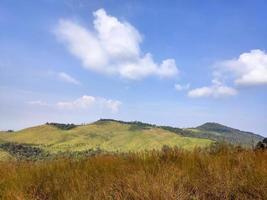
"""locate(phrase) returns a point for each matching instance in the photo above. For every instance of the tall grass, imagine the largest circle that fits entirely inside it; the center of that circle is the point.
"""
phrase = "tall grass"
(217, 173)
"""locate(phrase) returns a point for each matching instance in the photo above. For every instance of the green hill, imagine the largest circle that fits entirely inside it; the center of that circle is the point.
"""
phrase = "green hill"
(115, 136)
(107, 135)
(218, 132)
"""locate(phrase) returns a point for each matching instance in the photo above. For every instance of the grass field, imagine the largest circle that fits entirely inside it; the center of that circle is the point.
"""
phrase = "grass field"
(217, 173)
(5, 155)
(109, 136)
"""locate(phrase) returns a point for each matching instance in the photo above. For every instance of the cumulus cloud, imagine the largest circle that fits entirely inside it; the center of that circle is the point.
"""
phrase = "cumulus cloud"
(249, 68)
(83, 103)
(113, 47)
(216, 90)
(86, 102)
(67, 78)
(180, 87)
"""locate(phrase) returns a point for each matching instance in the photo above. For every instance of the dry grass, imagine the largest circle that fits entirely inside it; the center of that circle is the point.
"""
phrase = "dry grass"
(220, 173)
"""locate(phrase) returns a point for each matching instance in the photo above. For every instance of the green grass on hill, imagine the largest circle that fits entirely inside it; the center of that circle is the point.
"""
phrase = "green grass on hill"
(109, 136)
(233, 136)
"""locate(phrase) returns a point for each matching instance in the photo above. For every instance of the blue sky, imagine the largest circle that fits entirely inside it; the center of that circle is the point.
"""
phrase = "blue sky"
(180, 63)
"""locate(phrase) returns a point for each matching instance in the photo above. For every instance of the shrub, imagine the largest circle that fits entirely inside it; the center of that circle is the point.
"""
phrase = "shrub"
(262, 145)
(23, 151)
(62, 126)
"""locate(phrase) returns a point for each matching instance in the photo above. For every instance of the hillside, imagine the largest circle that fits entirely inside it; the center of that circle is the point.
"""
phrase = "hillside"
(105, 135)
(218, 132)
(115, 136)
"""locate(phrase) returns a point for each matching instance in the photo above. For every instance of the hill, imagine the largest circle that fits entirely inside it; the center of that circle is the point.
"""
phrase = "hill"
(219, 132)
(115, 136)
(107, 135)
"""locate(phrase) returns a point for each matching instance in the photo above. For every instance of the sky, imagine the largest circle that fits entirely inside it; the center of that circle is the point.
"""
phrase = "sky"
(180, 63)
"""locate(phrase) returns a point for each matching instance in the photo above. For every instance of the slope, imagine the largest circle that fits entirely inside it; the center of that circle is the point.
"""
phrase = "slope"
(108, 135)
(218, 132)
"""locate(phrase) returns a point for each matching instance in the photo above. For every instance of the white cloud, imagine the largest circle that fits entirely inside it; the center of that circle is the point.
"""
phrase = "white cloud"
(216, 90)
(249, 68)
(113, 47)
(88, 102)
(83, 103)
(113, 105)
(67, 78)
(180, 87)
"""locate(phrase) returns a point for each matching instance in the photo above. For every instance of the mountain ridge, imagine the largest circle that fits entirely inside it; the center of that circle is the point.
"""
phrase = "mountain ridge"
(208, 126)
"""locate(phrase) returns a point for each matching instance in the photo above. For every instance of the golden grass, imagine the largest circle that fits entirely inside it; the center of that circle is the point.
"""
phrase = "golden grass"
(5, 155)
(220, 173)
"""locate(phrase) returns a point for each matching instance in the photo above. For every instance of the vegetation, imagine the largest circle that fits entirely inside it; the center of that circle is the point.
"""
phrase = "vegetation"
(178, 131)
(62, 126)
(218, 172)
(107, 135)
(134, 125)
(112, 159)
(212, 131)
(262, 145)
(22, 151)
(138, 123)
(110, 136)
(5, 155)
(218, 132)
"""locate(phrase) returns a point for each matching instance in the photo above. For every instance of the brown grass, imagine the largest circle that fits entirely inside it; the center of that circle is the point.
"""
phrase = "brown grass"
(221, 173)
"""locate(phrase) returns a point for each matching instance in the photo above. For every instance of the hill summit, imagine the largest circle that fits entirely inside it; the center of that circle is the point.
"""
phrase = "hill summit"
(213, 126)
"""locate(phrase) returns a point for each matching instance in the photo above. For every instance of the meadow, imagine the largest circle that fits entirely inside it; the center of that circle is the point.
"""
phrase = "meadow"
(109, 136)
(216, 172)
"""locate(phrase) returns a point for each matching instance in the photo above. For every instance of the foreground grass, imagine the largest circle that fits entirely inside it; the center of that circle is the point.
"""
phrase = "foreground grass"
(218, 173)
(5, 155)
